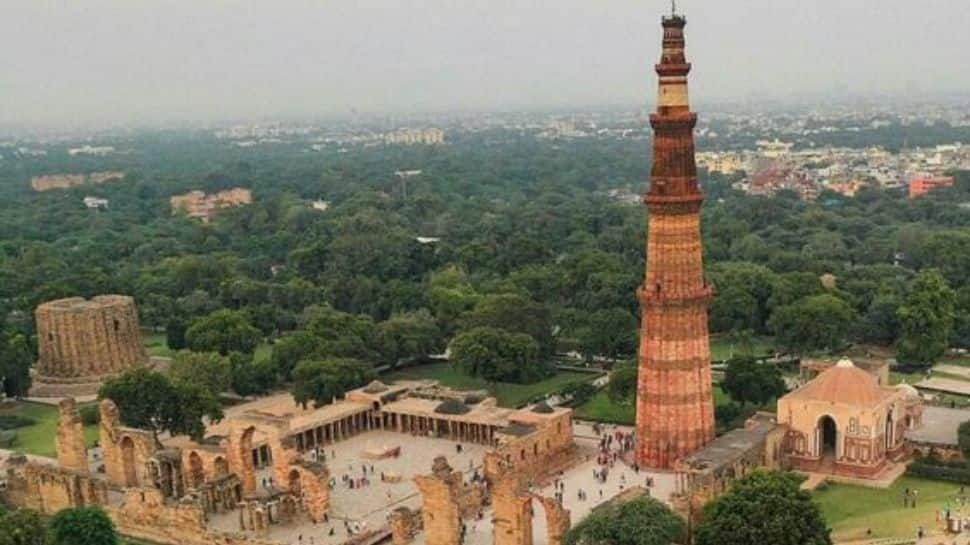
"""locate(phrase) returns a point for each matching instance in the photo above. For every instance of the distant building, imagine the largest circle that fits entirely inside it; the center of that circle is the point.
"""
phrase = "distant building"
(429, 136)
(774, 148)
(924, 183)
(95, 202)
(321, 206)
(64, 181)
(197, 204)
(91, 150)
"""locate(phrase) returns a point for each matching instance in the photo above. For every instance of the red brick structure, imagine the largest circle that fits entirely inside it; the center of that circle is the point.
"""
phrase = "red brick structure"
(675, 407)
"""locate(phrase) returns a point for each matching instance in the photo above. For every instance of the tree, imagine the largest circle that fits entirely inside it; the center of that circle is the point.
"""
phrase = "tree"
(223, 331)
(82, 526)
(206, 369)
(963, 437)
(748, 381)
(622, 387)
(341, 334)
(926, 320)
(498, 355)
(513, 313)
(640, 521)
(22, 527)
(15, 361)
(323, 380)
(149, 400)
(251, 377)
(819, 322)
(608, 332)
(175, 334)
(408, 335)
(785, 514)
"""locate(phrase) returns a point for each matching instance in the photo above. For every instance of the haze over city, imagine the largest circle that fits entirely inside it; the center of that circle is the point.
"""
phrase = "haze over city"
(113, 61)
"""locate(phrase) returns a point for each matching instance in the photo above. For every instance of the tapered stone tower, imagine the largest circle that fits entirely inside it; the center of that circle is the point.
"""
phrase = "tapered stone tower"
(675, 408)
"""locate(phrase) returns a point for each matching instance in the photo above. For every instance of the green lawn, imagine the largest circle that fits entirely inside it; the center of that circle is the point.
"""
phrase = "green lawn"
(508, 395)
(39, 438)
(602, 409)
(722, 347)
(156, 345)
(850, 510)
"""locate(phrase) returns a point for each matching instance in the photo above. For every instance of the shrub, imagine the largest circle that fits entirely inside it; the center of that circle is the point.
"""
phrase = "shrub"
(579, 392)
(90, 415)
(452, 406)
(12, 421)
(8, 438)
(920, 468)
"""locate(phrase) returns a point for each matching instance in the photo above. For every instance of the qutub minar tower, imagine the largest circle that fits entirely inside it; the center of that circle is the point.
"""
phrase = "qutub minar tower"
(675, 407)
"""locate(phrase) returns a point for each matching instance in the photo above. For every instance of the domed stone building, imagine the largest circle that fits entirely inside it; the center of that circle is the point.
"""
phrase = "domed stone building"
(844, 422)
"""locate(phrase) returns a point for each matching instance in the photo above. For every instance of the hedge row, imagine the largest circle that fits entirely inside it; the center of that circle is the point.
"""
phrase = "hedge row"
(959, 475)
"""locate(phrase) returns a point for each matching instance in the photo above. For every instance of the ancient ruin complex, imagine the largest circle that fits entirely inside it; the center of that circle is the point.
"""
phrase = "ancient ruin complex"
(675, 406)
(264, 472)
(81, 342)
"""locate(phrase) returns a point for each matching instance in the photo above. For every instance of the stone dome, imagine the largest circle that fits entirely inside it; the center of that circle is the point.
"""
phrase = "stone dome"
(843, 383)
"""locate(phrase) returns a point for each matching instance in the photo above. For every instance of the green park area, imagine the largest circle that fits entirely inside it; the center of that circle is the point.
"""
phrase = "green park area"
(508, 394)
(38, 437)
(852, 510)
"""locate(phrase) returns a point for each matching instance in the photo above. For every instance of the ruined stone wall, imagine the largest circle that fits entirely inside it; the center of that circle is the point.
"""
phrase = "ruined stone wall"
(72, 453)
(125, 451)
(545, 451)
(48, 488)
(405, 524)
(440, 513)
(311, 483)
(511, 508)
(144, 514)
(80, 342)
(203, 464)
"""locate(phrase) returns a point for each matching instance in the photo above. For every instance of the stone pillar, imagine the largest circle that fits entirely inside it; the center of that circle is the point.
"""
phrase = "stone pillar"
(512, 508)
(72, 453)
(557, 520)
(440, 510)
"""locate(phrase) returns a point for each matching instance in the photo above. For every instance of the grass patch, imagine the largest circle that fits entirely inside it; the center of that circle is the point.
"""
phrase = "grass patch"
(722, 347)
(156, 345)
(38, 439)
(850, 510)
(603, 409)
(508, 394)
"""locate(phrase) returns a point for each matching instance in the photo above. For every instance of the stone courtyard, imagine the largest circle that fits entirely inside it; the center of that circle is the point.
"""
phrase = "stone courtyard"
(368, 507)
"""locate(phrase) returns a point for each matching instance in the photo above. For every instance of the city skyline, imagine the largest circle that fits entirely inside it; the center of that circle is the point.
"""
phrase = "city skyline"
(114, 62)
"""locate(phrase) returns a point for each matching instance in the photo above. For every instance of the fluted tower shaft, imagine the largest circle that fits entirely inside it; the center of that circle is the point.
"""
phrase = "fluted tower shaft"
(675, 407)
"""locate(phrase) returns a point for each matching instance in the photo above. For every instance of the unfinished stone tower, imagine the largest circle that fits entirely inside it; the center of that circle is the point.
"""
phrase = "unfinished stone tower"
(675, 408)
(81, 342)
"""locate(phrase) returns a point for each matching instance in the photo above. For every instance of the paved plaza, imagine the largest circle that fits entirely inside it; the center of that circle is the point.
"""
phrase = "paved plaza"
(367, 508)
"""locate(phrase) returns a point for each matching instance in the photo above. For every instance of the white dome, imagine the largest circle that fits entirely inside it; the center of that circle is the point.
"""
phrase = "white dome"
(845, 362)
(908, 390)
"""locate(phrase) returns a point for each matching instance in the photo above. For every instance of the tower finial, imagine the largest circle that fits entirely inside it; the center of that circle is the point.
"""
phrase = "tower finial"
(673, 7)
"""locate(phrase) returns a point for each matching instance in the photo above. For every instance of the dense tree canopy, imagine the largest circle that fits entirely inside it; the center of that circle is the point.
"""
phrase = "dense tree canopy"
(82, 526)
(748, 381)
(22, 527)
(763, 507)
(321, 381)
(150, 400)
(640, 521)
(498, 355)
(926, 320)
(501, 229)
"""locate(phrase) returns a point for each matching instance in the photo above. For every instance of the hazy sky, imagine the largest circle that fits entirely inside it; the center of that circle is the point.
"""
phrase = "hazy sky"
(77, 61)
